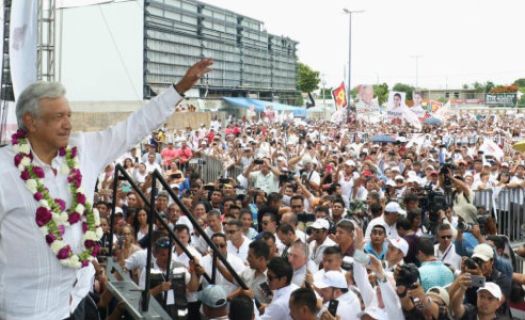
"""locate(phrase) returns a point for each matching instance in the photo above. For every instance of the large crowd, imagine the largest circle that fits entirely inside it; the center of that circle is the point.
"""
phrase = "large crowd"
(324, 221)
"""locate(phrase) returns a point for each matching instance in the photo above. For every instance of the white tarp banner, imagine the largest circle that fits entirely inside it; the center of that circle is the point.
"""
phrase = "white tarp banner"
(23, 41)
(81, 3)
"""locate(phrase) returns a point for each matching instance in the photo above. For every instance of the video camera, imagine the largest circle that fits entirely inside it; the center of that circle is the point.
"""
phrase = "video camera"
(407, 275)
(286, 176)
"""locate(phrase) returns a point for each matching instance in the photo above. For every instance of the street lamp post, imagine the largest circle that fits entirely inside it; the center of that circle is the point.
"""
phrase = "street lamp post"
(349, 12)
(417, 67)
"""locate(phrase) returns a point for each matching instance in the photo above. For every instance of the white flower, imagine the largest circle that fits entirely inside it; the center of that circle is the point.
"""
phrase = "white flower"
(21, 167)
(80, 209)
(64, 169)
(44, 203)
(61, 218)
(24, 148)
(25, 161)
(90, 235)
(80, 189)
(76, 165)
(99, 233)
(31, 185)
(57, 245)
(44, 230)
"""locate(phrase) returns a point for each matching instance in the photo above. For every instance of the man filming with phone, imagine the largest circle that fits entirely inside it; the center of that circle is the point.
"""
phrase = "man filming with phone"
(339, 300)
(477, 271)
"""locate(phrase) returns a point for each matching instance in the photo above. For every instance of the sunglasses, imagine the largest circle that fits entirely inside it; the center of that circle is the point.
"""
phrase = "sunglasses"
(231, 231)
(299, 206)
(446, 237)
(222, 245)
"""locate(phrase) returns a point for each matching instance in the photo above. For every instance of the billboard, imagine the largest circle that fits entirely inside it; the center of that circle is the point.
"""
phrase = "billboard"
(501, 99)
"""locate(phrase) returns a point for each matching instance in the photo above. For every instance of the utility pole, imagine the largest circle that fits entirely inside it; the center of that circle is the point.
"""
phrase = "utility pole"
(416, 57)
(350, 12)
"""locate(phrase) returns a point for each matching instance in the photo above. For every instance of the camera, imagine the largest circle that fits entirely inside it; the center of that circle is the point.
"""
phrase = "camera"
(286, 176)
(407, 275)
(176, 176)
(465, 227)
(258, 161)
(224, 180)
(446, 170)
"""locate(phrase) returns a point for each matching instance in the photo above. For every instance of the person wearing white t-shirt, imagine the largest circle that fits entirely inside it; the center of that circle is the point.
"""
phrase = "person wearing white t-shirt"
(238, 244)
(445, 250)
(34, 270)
(388, 219)
(222, 276)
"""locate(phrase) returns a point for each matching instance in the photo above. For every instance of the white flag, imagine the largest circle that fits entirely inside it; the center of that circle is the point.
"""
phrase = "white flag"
(490, 148)
(22, 46)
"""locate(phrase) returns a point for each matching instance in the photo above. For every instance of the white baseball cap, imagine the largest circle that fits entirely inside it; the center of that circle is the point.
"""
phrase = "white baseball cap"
(483, 251)
(331, 279)
(350, 163)
(400, 244)
(493, 289)
(321, 224)
(393, 207)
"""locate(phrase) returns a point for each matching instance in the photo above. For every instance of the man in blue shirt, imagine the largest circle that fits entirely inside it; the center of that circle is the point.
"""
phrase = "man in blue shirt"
(433, 272)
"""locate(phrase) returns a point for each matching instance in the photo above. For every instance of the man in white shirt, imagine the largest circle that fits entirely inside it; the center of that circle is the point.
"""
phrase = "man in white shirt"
(320, 240)
(298, 258)
(279, 275)
(222, 275)
(238, 243)
(445, 250)
(388, 219)
(265, 178)
(333, 286)
(32, 270)
(183, 234)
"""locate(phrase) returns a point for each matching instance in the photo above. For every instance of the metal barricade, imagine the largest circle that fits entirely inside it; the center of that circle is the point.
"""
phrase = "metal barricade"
(210, 168)
(508, 207)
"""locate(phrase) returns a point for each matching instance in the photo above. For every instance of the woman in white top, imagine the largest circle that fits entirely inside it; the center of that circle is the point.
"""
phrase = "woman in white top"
(142, 224)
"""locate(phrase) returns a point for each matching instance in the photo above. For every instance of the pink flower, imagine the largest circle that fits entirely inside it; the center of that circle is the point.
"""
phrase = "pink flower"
(85, 227)
(19, 134)
(74, 152)
(85, 263)
(42, 216)
(50, 238)
(62, 152)
(95, 250)
(38, 196)
(25, 175)
(61, 204)
(18, 159)
(81, 198)
(39, 172)
(74, 217)
(61, 229)
(89, 244)
(64, 253)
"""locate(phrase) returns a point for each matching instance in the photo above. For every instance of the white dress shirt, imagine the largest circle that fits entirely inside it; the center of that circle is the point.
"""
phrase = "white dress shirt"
(33, 283)
(242, 251)
(236, 263)
(316, 251)
(279, 307)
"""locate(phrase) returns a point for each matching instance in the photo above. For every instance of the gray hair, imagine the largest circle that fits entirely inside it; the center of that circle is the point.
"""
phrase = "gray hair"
(28, 101)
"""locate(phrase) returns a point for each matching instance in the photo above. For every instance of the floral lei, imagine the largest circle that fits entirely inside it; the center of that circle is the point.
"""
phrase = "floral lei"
(52, 216)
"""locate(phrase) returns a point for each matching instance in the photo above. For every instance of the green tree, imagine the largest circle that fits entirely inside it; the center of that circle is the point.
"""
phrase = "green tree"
(401, 87)
(521, 102)
(488, 86)
(520, 82)
(381, 92)
(307, 78)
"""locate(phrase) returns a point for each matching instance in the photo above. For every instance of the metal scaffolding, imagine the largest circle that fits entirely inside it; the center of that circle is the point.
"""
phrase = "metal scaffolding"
(46, 40)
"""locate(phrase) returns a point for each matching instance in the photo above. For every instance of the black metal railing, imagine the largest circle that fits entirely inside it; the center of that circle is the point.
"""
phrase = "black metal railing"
(121, 174)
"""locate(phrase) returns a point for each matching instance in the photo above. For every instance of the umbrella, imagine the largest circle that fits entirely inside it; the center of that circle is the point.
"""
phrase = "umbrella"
(433, 121)
(519, 146)
(383, 138)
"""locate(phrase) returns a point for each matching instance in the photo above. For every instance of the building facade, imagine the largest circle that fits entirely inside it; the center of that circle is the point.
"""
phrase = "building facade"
(133, 49)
